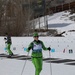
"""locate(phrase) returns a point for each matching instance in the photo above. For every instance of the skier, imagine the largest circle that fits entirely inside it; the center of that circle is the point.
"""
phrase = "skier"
(8, 42)
(37, 56)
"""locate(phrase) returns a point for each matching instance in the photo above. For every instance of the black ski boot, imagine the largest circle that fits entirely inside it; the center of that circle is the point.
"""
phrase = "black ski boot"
(10, 55)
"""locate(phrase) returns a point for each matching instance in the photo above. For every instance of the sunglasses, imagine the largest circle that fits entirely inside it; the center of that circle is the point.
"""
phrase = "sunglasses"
(36, 36)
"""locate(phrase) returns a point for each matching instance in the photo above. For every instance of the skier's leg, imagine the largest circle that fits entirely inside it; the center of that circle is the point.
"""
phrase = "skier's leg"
(38, 65)
(8, 49)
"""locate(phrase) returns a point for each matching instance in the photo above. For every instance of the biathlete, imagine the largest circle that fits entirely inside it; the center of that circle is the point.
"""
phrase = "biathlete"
(8, 42)
(37, 55)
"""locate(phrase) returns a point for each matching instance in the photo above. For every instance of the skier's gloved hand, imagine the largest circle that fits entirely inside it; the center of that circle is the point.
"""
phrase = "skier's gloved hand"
(49, 48)
(4, 38)
(25, 49)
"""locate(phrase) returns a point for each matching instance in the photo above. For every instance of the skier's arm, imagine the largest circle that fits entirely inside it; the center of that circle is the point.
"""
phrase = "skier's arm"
(43, 46)
(29, 47)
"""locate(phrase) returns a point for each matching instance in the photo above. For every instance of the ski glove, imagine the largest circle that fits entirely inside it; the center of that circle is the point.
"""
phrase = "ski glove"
(5, 38)
(25, 49)
(49, 48)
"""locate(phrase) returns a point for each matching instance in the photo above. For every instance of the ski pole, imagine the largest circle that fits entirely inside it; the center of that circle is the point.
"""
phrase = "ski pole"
(24, 65)
(50, 63)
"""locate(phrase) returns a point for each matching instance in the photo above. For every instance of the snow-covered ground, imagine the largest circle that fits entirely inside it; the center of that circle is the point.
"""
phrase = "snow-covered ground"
(61, 63)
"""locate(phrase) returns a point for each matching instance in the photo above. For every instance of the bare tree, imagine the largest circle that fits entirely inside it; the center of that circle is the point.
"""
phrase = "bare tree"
(15, 17)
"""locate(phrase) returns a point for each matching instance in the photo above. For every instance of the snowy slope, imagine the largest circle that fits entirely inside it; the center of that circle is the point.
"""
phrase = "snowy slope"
(60, 21)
